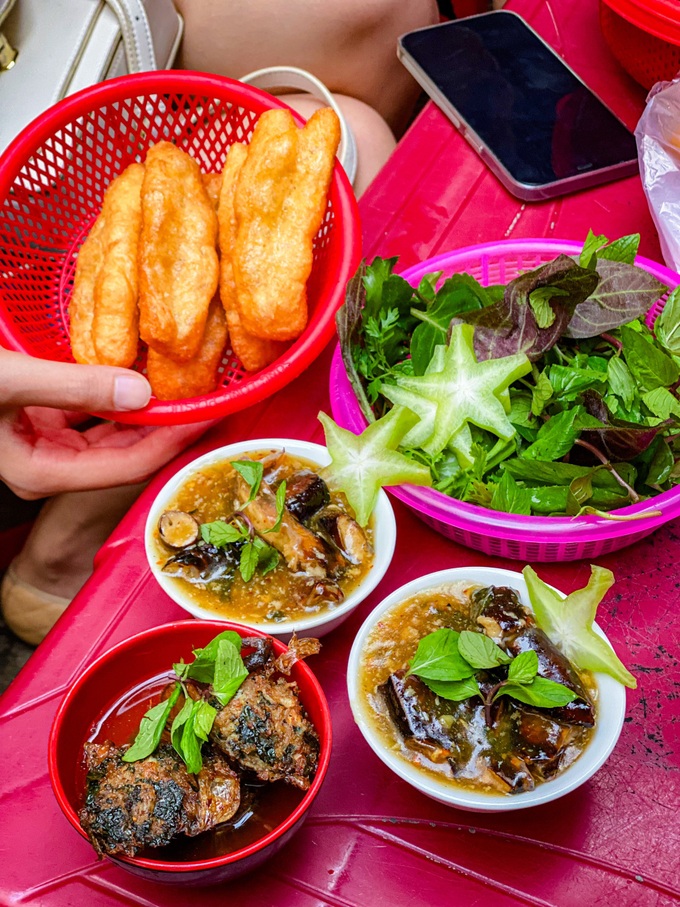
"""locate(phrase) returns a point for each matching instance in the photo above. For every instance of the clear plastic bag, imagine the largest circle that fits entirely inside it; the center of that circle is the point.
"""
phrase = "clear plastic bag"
(658, 141)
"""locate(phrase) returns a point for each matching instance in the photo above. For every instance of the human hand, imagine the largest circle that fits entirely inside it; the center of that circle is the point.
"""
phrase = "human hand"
(41, 451)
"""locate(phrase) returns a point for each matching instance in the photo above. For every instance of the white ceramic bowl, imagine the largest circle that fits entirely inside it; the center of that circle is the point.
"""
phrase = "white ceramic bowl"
(611, 708)
(384, 539)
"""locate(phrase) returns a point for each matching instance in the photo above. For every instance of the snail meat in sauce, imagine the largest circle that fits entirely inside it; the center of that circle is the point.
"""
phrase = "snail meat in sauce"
(504, 746)
(302, 549)
(204, 563)
(505, 620)
(306, 492)
(316, 553)
(179, 529)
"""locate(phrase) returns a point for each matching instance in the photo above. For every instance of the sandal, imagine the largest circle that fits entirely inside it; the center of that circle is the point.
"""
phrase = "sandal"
(28, 612)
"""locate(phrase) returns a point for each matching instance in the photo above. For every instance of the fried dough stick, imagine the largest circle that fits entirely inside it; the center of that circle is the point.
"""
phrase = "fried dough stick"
(280, 202)
(253, 352)
(179, 268)
(212, 183)
(172, 380)
(103, 307)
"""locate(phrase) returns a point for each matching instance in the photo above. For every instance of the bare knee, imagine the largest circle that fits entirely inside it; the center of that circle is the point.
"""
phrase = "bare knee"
(348, 44)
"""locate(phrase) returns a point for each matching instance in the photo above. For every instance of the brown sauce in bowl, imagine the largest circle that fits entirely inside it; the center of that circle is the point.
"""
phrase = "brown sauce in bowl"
(390, 647)
(283, 594)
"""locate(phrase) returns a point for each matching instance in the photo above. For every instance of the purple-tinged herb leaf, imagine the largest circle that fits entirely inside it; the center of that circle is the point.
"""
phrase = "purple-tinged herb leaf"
(623, 293)
(617, 439)
(511, 326)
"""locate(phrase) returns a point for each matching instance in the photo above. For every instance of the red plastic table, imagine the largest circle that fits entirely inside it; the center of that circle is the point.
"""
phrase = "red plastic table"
(371, 839)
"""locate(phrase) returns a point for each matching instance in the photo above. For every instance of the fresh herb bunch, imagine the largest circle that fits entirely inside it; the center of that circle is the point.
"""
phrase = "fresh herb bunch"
(255, 554)
(448, 661)
(218, 664)
(581, 414)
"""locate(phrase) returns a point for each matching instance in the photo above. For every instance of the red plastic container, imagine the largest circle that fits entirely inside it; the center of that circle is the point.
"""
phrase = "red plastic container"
(129, 665)
(52, 181)
(644, 36)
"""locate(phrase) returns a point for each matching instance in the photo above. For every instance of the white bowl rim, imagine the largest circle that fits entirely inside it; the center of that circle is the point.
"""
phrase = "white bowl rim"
(611, 708)
(384, 537)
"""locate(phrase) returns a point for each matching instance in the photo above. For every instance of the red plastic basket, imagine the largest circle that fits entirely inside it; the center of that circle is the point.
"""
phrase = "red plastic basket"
(644, 36)
(52, 181)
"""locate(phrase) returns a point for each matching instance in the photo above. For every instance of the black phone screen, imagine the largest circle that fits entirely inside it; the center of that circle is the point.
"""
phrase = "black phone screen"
(540, 121)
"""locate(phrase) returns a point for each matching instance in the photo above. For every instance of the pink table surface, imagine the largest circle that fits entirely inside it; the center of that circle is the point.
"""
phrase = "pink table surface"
(370, 839)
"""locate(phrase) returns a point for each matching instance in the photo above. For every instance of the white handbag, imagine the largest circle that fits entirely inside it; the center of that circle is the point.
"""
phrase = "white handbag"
(52, 48)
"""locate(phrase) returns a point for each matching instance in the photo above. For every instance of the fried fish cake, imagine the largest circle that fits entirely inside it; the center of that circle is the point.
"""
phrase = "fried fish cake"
(103, 308)
(253, 352)
(280, 202)
(178, 265)
(171, 380)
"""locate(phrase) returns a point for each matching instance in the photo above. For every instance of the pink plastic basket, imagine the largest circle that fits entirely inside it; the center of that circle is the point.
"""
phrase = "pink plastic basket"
(528, 538)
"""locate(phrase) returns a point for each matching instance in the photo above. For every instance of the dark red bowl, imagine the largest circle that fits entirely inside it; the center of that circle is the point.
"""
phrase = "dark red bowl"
(131, 663)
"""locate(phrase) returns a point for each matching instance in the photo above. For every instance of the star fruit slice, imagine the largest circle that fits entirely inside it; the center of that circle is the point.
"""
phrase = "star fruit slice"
(456, 390)
(362, 464)
(569, 623)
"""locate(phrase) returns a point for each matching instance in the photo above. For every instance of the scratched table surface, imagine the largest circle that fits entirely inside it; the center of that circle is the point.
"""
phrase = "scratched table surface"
(370, 839)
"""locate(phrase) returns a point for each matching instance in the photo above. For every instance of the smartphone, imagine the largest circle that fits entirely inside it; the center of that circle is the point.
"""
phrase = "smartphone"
(538, 127)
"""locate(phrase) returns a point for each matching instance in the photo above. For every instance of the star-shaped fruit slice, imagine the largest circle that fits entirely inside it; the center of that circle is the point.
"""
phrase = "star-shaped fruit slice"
(569, 623)
(362, 464)
(456, 390)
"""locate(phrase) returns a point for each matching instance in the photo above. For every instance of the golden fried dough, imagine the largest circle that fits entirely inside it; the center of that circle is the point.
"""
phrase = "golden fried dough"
(212, 183)
(103, 308)
(179, 270)
(253, 352)
(81, 306)
(226, 218)
(171, 380)
(280, 202)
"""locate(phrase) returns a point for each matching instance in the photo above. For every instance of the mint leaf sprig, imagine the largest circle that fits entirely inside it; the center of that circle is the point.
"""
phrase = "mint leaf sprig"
(218, 664)
(447, 661)
(255, 553)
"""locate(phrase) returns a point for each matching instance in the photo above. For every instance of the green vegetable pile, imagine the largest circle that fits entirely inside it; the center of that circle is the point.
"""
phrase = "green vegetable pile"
(218, 664)
(447, 662)
(546, 396)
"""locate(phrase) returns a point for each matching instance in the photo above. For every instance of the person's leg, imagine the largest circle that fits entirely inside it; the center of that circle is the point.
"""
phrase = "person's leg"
(349, 44)
(375, 142)
(57, 557)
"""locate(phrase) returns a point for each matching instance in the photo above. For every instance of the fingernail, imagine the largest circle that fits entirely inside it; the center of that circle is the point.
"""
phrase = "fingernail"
(130, 392)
